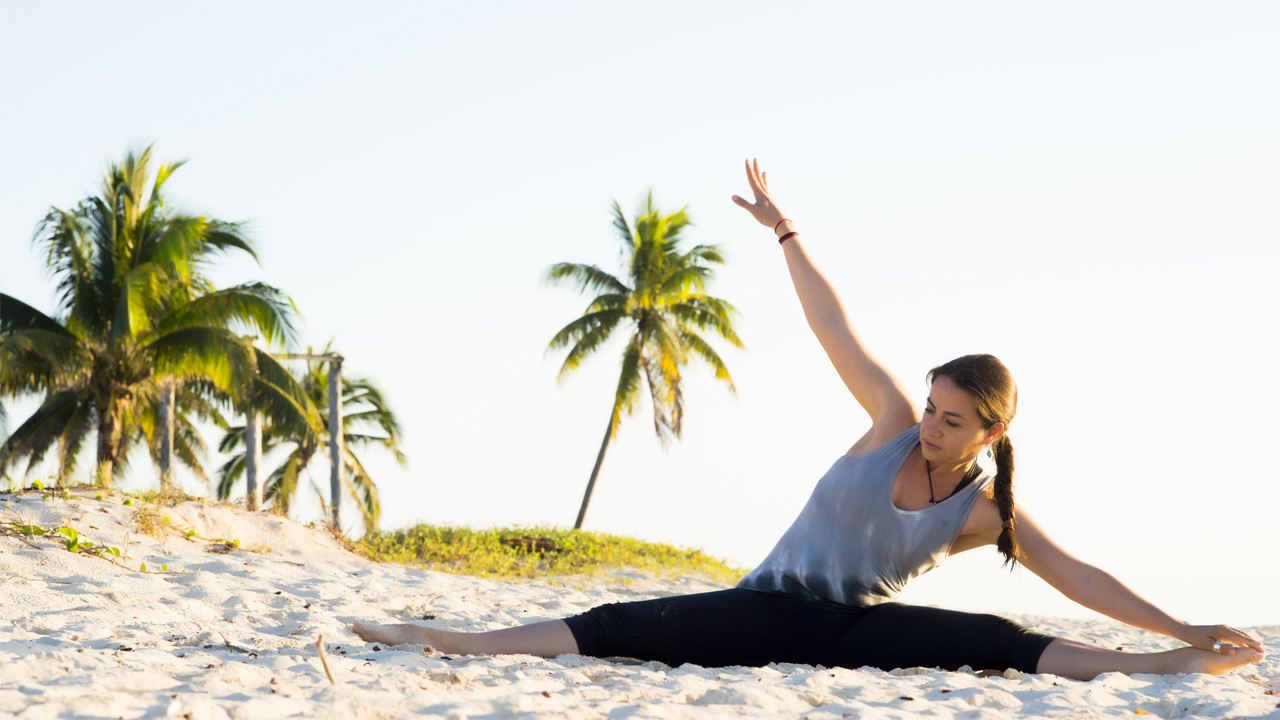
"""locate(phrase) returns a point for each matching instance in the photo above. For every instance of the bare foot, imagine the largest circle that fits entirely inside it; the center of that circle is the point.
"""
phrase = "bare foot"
(1195, 660)
(400, 634)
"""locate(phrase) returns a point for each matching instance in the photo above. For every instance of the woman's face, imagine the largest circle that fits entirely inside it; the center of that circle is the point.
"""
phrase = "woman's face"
(951, 431)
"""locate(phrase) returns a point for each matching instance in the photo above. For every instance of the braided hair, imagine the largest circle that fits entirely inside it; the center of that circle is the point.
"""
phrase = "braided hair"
(995, 397)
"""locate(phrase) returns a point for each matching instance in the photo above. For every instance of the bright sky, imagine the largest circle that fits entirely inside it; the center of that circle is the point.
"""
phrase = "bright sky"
(1087, 190)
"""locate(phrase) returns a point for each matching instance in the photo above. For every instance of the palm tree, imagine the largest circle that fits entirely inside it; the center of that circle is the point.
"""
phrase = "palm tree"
(663, 308)
(137, 321)
(364, 410)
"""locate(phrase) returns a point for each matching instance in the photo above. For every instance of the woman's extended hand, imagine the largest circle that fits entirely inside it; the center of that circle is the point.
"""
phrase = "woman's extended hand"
(1204, 636)
(763, 209)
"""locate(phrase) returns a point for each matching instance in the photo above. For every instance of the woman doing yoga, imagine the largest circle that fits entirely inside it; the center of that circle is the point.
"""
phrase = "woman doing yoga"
(908, 494)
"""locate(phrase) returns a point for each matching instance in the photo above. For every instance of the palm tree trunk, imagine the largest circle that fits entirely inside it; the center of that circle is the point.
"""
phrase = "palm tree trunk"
(335, 440)
(102, 474)
(108, 441)
(253, 457)
(167, 392)
(595, 471)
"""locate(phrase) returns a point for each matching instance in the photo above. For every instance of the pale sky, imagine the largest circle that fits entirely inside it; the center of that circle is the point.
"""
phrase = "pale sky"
(1087, 190)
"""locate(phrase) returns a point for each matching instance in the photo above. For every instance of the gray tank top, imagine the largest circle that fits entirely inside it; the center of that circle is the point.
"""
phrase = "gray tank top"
(851, 545)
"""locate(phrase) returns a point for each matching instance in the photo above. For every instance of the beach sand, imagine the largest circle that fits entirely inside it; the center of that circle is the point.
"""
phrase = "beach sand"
(230, 631)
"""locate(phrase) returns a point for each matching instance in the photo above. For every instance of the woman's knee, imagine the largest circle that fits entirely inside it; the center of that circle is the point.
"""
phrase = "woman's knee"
(897, 635)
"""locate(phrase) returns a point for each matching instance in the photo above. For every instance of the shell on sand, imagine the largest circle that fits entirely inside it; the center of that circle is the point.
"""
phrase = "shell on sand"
(229, 631)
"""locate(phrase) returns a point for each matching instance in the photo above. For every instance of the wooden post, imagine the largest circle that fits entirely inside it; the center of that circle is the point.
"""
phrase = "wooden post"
(253, 457)
(335, 439)
(335, 428)
(168, 389)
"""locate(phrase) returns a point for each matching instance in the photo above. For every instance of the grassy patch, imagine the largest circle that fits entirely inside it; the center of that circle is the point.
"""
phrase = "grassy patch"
(536, 552)
(148, 520)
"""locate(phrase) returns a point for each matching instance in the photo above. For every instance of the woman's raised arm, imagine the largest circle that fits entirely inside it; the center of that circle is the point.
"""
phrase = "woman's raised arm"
(875, 389)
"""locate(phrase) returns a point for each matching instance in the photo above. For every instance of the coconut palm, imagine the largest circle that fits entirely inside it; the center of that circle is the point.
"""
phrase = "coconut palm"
(135, 317)
(364, 411)
(662, 307)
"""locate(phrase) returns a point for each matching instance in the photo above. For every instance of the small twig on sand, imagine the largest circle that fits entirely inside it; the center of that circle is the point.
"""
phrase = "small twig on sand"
(323, 660)
(52, 582)
(228, 644)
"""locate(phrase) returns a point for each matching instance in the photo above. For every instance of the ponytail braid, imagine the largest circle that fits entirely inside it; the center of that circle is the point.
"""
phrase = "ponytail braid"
(1006, 543)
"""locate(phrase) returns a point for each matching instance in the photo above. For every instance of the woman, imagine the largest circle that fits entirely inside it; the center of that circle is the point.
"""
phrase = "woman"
(908, 494)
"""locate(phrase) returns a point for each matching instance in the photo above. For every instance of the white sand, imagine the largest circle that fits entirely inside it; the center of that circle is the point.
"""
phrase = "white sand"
(232, 634)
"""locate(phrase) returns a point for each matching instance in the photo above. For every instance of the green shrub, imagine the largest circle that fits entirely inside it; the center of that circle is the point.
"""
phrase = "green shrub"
(536, 552)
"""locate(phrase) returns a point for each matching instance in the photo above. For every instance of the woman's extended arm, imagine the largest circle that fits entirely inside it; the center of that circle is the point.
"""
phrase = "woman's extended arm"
(874, 388)
(1098, 590)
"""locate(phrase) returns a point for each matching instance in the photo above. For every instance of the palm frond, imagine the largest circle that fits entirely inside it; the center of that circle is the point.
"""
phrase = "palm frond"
(174, 247)
(39, 360)
(587, 277)
(286, 404)
(608, 301)
(90, 308)
(362, 488)
(188, 446)
(584, 347)
(601, 322)
(193, 398)
(699, 347)
(678, 284)
(162, 175)
(286, 417)
(71, 441)
(625, 233)
(707, 313)
(282, 484)
(16, 315)
(232, 440)
(710, 254)
(662, 369)
(252, 305)
(627, 394)
(224, 236)
(68, 253)
(363, 392)
(139, 299)
(46, 426)
(212, 353)
(230, 472)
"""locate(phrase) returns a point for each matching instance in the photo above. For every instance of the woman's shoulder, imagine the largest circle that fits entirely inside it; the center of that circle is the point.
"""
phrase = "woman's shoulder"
(892, 433)
(985, 514)
(983, 524)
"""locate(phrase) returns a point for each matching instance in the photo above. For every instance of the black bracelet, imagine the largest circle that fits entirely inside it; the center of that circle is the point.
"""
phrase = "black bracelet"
(784, 237)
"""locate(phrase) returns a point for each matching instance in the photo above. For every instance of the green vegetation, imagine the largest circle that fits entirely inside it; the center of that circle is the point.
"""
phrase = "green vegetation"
(66, 536)
(513, 552)
(147, 520)
(662, 306)
(142, 347)
(141, 339)
(536, 552)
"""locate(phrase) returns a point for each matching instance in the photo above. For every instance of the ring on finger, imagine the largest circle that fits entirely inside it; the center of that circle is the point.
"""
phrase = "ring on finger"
(1217, 646)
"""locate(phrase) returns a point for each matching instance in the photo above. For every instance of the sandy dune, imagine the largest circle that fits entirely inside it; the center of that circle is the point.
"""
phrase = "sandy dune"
(229, 630)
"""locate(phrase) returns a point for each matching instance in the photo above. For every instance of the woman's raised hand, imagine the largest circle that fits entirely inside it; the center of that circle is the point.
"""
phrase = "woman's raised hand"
(763, 209)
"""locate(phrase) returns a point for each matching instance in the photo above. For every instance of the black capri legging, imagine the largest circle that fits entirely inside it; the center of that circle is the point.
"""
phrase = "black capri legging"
(752, 627)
